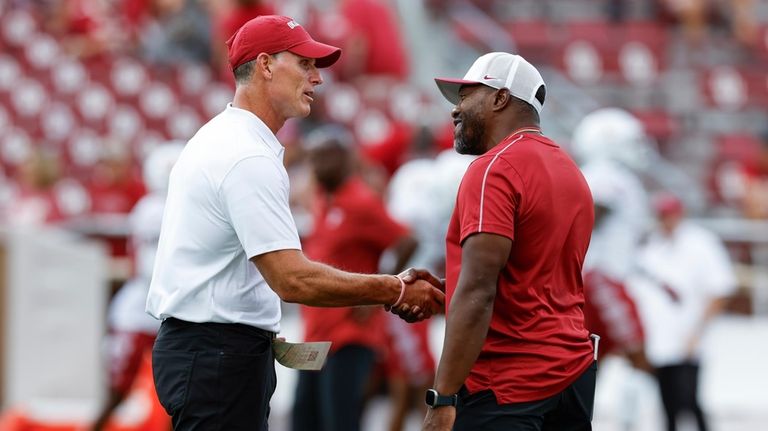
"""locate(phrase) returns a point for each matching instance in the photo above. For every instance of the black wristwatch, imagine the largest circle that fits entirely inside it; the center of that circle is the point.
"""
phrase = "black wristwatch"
(434, 399)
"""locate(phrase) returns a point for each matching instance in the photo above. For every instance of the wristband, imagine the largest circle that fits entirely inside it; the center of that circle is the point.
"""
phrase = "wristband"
(402, 292)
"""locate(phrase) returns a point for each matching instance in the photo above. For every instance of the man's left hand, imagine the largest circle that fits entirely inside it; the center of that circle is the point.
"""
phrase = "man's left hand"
(439, 419)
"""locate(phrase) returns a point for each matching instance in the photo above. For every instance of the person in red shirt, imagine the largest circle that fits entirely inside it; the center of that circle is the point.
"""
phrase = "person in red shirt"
(516, 353)
(368, 32)
(227, 22)
(352, 229)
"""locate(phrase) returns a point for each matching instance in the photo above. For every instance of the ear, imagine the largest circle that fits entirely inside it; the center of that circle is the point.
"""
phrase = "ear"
(264, 64)
(501, 98)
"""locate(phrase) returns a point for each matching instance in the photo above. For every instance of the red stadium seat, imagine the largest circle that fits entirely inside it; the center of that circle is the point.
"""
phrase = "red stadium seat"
(42, 51)
(342, 103)
(641, 51)
(94, 102)
(68, 77)
(739, 147)
(183, 123)
(15, 146)
(587, 52)
(192, 79)
(732, 153)
(215, 98)
(533, 39)
(659, 124)
(125, 123)
(156, 100)
(84, 148)
(57, 121)
(128, 77)
(732, 88)
(18, 27)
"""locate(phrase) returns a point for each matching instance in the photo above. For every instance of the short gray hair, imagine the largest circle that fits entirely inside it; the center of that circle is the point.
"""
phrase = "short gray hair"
(244, 71)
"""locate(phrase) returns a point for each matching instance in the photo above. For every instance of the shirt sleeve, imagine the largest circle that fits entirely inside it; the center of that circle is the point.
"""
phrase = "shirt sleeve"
(718, 276)
(489, 197)
(255, 198)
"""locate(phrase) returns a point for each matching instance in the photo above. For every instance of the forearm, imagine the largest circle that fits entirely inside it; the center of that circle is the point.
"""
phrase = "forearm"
(467, 325)
(323, 286)
(297, 279)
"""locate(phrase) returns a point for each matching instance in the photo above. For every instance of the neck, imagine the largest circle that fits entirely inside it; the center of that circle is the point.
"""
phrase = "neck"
(252, 99)
(496, 136)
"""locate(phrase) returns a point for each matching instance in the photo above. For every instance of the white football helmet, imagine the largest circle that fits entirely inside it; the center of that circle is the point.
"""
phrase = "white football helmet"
(611, 134)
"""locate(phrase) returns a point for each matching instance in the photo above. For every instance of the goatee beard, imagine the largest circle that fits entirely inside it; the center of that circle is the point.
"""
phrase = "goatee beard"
(469, 145)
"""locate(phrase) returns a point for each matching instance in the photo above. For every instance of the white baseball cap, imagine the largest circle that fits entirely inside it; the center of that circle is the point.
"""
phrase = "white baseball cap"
(499, 70)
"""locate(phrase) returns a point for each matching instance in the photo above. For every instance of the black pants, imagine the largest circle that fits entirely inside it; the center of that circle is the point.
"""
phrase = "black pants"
(214, 376)
(570, 410)
(679, 386)
(332, 399)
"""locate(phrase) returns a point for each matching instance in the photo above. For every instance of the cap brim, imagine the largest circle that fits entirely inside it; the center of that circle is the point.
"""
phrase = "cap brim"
(324, 55)
(450, 87)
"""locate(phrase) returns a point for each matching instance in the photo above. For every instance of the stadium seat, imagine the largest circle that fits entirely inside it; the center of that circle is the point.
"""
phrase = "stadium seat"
(124, 123)
(128, 77)
(183, 123)
(9, 72)
(659, 124)
(641, 51)
(733, 88)
(156, 100)
(587, 51)
(533, 39)
(57, 120)
(15, 147)
(192, 79)
(214, 98)
(84, 148)
(18, 26)
(42, 51)
(95, 102)
(342, 103)
(725, 173)
(69, 76)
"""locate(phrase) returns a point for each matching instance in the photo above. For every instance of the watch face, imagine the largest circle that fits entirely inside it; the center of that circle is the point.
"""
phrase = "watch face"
(431, 397)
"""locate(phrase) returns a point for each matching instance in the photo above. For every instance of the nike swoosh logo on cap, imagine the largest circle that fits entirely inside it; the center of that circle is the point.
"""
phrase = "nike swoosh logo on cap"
(488, 77)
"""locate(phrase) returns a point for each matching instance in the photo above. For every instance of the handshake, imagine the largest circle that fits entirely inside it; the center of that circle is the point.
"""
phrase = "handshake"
(421, 295)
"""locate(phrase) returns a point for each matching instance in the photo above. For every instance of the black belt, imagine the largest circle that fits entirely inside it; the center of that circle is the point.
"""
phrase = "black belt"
(173, 322)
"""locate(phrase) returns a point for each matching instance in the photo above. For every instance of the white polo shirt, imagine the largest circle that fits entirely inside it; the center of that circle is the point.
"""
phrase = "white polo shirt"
(227, 202)
(695, 264)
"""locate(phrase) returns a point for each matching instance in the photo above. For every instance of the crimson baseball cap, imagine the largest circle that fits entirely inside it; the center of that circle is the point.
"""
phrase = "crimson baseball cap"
(666, 204)
(499, 70)
(275, 33)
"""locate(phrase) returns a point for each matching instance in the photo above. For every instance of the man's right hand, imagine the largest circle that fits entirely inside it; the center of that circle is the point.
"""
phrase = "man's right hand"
(422, 298)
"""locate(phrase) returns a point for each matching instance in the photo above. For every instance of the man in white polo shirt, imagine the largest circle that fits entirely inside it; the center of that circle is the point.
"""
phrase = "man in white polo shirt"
(229, 250)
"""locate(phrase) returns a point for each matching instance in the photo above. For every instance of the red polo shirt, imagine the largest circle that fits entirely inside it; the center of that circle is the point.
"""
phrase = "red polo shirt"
(351, 230)
(528, 190)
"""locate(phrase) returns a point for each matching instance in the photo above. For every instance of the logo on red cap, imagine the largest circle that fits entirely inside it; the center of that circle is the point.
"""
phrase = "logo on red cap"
(292, 24)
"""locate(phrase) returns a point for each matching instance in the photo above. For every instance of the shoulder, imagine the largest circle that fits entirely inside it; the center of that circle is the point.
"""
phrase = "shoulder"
(698, 234)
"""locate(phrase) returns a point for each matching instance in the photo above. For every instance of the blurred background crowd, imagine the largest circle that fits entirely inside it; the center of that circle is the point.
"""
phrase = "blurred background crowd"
(89, 89)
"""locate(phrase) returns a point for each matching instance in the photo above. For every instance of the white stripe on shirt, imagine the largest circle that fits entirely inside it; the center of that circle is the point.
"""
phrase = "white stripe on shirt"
(485, 177)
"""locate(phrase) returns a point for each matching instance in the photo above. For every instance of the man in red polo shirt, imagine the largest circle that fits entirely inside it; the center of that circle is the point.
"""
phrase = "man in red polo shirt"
(352, 229)
(516, 353)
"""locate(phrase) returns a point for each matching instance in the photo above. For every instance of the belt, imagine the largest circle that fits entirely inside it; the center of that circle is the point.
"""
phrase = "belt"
(178, 323)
